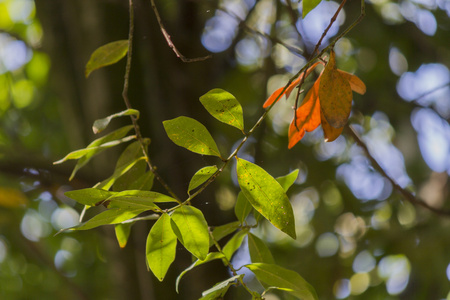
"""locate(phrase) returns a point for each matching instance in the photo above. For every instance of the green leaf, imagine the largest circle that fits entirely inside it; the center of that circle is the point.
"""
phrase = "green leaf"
(220, 289)
(224, 107)
(266, 195)
(89, 196)
(109, 217)
(233, 244)
(309, 5)
(85, 155)
(192, 135)
(222, 231)
(258, 250)
(201, 176)
(134, 199)
(210, 257)
(191, 230)
(161, 247)
(101, 124)
(118, 173)
(288, 180)
(122, 233)
(242, 208)
(106, 55)
(136, 178)
(279, 277)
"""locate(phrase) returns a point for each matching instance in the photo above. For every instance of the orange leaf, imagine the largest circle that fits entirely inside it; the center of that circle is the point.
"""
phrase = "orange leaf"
(330, 133)
(279, 92)
(307, 116)
(355, 83)
(335, 94)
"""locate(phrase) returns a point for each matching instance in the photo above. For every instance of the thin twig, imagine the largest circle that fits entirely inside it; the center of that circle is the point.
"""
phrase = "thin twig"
(128, 104)
(169, 40)
(405, 193)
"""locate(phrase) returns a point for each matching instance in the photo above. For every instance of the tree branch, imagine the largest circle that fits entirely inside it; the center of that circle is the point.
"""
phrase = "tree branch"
(128, 104)
(407, 195)
(169, 40)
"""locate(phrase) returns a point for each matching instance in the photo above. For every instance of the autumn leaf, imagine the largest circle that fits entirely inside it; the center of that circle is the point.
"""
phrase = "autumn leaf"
(328, 102)
(307, 116)
(279, 92)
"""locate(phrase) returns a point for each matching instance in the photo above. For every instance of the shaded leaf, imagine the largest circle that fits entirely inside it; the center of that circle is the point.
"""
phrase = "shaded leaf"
(330, 133)
(266, 195)
(224, 107)
(201, 176)
(118, 172)
(335, 94)
(242, 208)
(123, 233)
(89, 196)
(279, 92)
(106, 55)
(279, 277)
(258, 250)
(161, 247)
(233, 244)
(222, 231)
(220, 289)
(136, 178)
(309, 5)
(134, 199)
(101, 124)
(192, 135)
(288, 180)
(210, 257)
(191, 230)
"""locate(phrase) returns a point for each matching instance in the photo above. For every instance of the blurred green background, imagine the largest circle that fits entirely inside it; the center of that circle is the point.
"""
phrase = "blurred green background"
(357, 237)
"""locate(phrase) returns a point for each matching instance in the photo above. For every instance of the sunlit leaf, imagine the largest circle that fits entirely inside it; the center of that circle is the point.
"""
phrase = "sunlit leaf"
(258, 250)
(192, 135)
(222, 231)
(192, 230)
(210, 257)
(335, 94)
(94, 148)
(224, 107)
(233, 244)
(279, 277)
(266, 195)
(201, 176)
(106, 55)
(288, 180)
(109, 217)
(161, 247)
(220, 289)
(242, 208)
(307, 116)
(279, 92)
(122, 233)
(356, 84)
(101, 124)
(309, 5)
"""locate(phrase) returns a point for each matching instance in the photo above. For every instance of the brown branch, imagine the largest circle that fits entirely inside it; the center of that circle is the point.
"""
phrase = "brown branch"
(407, 195)
(169, 40)
(128, 104)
